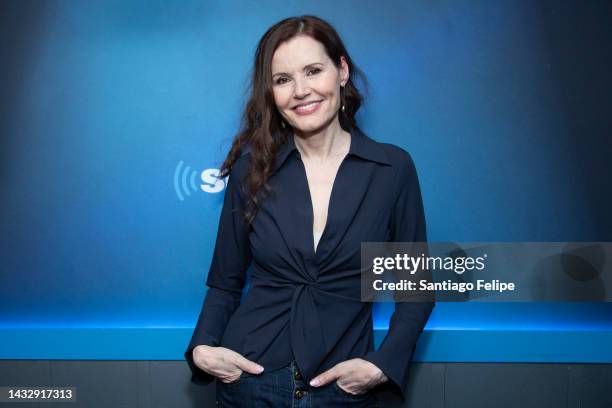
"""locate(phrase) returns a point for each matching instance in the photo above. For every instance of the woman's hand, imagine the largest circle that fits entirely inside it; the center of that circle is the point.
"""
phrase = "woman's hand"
(355, 376)
(223, 363)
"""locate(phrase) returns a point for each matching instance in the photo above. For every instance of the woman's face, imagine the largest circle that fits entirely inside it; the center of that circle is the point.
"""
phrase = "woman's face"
(306, 84)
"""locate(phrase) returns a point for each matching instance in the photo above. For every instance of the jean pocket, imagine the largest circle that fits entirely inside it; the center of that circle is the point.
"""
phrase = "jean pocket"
(235, 382)
(348, 394)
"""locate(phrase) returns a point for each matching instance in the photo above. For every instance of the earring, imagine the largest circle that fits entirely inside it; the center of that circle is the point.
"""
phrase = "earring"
(342, 97)
(283, 123)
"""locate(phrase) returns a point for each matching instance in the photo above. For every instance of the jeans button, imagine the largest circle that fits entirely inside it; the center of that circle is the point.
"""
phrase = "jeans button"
(299, 394)
(297, 374)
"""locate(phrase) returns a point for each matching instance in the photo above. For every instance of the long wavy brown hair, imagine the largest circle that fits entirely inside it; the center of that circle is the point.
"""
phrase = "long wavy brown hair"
(261, 122)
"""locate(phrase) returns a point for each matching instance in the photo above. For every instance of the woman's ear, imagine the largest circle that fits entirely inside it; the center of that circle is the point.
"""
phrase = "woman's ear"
(344, 71)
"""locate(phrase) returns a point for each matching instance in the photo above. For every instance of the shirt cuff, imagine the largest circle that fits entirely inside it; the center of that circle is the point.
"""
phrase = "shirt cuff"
(395, 383)
(199, 376)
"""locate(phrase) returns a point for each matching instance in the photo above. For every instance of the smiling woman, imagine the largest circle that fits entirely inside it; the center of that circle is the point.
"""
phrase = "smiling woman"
(306, 187)
(307, 84)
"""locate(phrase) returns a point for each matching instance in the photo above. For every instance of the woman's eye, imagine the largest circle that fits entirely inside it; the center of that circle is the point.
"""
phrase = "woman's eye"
(314, 70)
(280, 80)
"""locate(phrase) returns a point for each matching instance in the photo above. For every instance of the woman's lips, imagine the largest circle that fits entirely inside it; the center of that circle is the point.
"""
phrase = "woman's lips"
(310, 108)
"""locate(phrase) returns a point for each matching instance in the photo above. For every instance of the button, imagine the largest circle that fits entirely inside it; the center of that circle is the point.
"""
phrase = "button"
(298, 376)
(299, 393)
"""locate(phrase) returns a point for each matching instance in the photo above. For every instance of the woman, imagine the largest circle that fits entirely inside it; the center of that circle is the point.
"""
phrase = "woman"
(306, 186)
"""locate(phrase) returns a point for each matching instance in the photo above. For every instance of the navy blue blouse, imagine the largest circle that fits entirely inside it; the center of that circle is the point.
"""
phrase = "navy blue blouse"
(304, 304)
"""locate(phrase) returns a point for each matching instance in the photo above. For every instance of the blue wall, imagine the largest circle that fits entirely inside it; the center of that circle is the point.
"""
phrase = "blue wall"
(504, 106)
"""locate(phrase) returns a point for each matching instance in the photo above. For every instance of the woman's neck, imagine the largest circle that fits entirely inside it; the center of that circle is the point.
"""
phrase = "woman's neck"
(330, 142)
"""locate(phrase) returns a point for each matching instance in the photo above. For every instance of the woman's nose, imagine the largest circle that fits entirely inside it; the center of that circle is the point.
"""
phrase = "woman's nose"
(301, 89)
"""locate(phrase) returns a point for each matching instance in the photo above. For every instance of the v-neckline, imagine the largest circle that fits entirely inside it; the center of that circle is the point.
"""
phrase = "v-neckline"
(314, 251)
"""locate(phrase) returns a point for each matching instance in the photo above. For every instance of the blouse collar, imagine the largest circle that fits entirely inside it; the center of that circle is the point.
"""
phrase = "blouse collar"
(361, 146)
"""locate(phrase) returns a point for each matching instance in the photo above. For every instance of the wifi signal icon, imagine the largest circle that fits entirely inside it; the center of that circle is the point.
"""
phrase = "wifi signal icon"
(184, 181)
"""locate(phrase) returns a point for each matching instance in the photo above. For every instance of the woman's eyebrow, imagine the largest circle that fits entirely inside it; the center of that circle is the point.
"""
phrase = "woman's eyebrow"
(303, 69)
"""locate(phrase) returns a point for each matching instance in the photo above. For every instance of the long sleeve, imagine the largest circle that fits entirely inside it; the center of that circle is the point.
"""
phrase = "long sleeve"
(226, 278)
(409, 318)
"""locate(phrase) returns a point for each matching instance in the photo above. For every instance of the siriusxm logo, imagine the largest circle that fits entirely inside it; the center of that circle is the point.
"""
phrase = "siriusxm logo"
(185, 181)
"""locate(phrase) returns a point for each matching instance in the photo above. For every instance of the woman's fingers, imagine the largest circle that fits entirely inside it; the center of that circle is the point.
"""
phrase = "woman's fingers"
(217, 361)
(223, 363)
(245, 364)
(327, 376)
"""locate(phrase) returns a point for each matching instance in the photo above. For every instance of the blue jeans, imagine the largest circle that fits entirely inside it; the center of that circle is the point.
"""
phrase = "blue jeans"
(285, 388)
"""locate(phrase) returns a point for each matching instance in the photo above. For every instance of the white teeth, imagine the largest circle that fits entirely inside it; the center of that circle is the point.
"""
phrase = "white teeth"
(306, 107)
